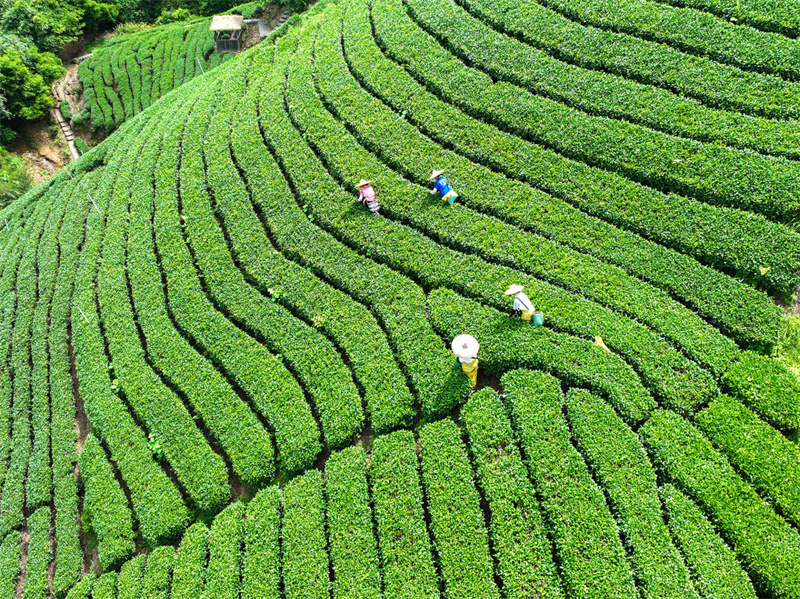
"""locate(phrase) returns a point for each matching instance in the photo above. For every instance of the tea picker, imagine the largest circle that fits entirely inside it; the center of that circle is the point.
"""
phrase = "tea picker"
(367, 196)
(524, 306)
(466, 347)
(441, 186)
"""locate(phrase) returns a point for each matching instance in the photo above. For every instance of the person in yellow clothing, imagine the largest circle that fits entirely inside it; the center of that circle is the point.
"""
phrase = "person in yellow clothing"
(466, 347)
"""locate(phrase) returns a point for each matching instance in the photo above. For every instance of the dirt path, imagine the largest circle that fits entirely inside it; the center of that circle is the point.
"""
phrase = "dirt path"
(67, 132)
(42, 155)
(23, 561)
(66, 88)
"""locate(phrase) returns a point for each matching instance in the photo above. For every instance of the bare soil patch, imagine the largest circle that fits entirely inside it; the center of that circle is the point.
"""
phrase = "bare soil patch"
(43, 148)
(69, 88)
(791, 307)
(23, 560)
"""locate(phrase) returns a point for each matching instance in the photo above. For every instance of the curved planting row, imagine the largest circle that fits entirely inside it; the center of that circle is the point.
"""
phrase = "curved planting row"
(409, 509)
(598, 92)
(649, 62)
(222, 376)
(131, 72)
(712, 235)
(692, 30)
(659, 160)
(770, 16)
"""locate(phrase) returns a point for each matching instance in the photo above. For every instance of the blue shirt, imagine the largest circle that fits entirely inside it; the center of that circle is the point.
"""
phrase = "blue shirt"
(442, 186)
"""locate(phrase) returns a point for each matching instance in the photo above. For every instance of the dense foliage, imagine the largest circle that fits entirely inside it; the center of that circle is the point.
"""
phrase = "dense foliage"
(221, 376)
(26, 73)
(130, 72)
(14, 177)
(33, 32)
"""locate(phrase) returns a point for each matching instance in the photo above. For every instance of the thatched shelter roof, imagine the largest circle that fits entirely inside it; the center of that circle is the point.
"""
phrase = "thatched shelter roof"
(226, 23)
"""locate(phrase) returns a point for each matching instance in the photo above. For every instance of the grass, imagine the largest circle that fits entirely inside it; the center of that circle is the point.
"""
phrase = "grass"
(787, 350)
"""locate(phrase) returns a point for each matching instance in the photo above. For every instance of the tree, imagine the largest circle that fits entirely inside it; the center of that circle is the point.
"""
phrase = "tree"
(99, 14)
(14, 178)
(49, 24)
(7, 135)
(136, 11)
(172, 16)
(212, 7)
(204, 7)
(25, 77)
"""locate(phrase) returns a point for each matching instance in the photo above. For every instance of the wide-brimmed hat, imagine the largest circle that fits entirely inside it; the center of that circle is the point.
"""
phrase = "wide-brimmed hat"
(514, 289)
(362, 183)
(465, 346)
(435, 175)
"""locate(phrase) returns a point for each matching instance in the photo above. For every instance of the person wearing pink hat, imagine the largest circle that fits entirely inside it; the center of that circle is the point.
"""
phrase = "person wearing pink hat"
(465, 348)
(367, 196)
(441, 186)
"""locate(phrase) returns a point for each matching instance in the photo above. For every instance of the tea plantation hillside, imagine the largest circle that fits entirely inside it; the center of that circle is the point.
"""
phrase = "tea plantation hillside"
(223, 377)
(131, 72)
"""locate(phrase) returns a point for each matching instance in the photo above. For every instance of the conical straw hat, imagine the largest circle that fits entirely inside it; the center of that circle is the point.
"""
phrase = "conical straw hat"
(514, 289)
(434, 175)
(465, 346)
(362, 183)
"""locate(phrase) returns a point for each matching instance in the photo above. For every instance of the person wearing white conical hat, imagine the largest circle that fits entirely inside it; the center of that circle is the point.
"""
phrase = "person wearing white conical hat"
(521, 302)
(466, 347)
(367, 196)
(441, 186)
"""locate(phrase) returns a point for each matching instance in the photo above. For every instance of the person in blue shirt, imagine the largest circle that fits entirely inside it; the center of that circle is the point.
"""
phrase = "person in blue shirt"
(441, 186)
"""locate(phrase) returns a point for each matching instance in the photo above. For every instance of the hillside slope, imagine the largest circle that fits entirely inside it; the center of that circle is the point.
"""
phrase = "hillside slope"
(255, 370)
(131, 72)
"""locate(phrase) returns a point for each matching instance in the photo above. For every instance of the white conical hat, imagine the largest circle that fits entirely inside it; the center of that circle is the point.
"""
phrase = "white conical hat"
(362, 183)
(514, 289)
(465, 346)
(435, 175)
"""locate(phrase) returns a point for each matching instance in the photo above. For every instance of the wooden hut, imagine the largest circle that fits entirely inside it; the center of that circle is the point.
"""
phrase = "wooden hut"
(227, 32)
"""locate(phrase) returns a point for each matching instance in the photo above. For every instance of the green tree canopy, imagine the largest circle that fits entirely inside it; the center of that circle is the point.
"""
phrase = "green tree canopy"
(25, 77)
(49, 24)
(99, 14)
(14, 178)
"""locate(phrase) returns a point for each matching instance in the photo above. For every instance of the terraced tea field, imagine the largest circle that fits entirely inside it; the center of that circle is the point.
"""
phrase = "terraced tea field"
(132, 72)
(223, 377)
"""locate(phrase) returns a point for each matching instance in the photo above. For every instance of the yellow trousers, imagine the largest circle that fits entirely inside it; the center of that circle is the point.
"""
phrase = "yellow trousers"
(471, 370)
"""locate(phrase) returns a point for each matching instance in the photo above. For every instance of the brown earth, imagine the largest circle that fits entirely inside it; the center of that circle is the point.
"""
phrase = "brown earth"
(69, 88)
(23, 561)
(792, 306)
(42, 147)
